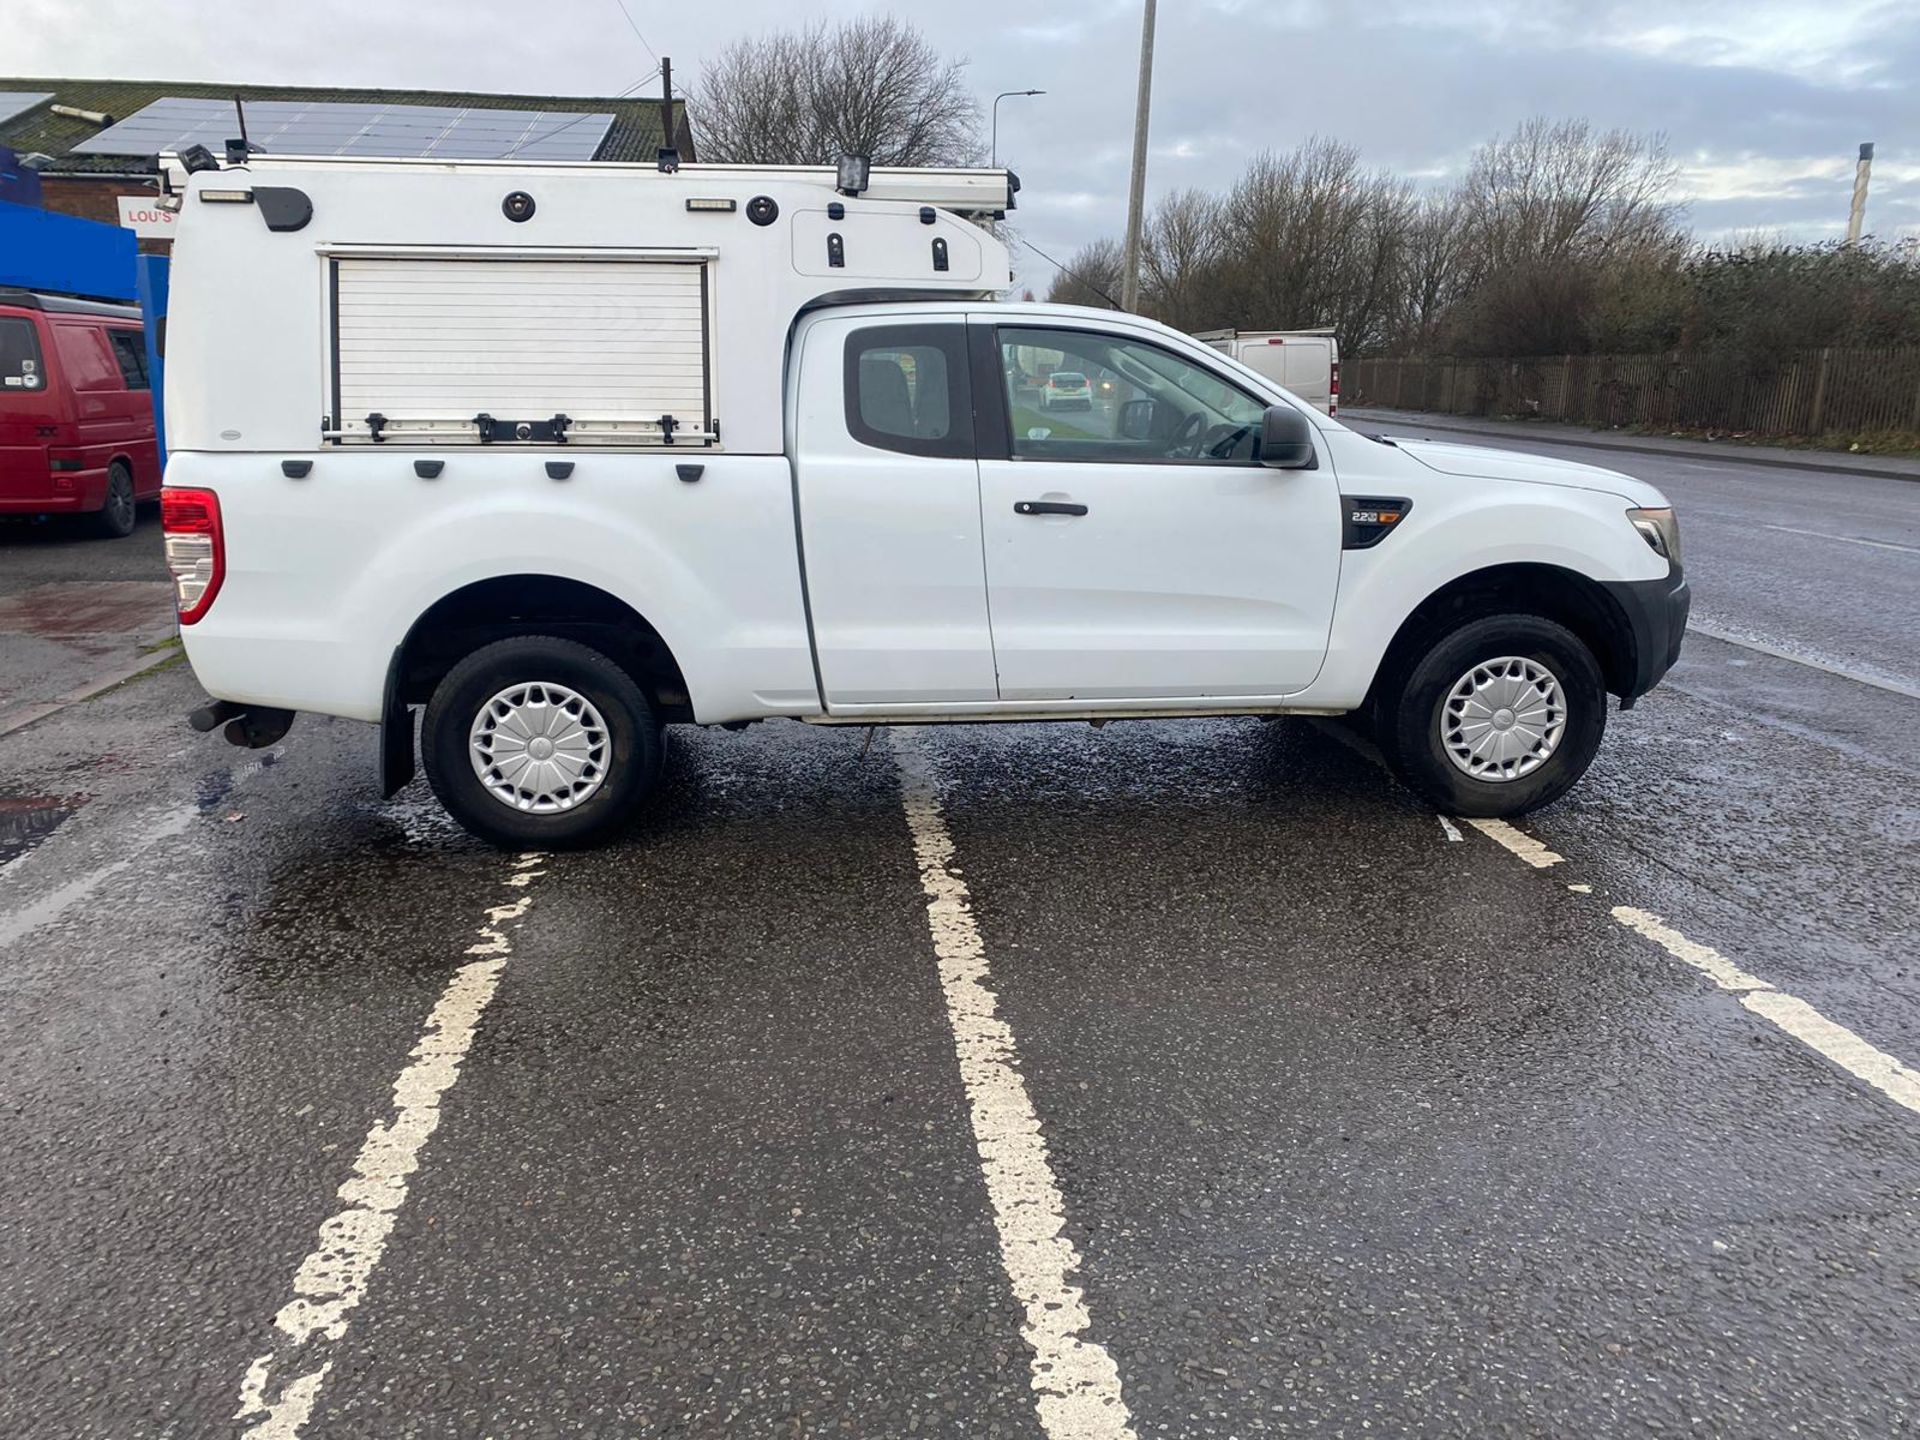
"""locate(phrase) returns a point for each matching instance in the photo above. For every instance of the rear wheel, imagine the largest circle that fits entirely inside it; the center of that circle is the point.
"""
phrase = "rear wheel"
(1498, 717)
(116, 517)
(537, 742)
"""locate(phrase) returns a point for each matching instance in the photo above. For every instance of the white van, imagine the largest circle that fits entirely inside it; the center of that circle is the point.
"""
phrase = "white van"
(532, 460)
(1306, 362)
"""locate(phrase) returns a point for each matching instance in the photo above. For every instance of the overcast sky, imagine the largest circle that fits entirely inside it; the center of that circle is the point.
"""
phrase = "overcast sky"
(1764, 102)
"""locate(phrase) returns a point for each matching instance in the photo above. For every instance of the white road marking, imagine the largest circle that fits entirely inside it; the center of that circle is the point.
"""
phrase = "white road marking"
(1878, 682)
(56, 902)
(1790, 1013)
(332, 1279)
(1076, 1384)
(1521, 844)
(146, 833)
(1844, 539)
(1708, 961)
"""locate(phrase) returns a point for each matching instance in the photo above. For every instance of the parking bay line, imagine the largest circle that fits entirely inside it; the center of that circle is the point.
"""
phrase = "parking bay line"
(333, 1278)
(1076, 1383)
(1790, 1014)
(150, 829)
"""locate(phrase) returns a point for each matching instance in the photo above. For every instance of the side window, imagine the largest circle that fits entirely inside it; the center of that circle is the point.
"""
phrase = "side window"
(1083, 395)
(84, 357)
(20, 367)
(906, 389)
(130, 353)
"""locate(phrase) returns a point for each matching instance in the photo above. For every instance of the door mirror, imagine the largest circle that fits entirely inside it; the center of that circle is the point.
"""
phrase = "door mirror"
(1136, 420)
(1286, 439)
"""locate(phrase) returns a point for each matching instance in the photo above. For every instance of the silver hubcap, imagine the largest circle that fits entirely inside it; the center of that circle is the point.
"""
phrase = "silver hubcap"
(1503, 719)
(539, 747)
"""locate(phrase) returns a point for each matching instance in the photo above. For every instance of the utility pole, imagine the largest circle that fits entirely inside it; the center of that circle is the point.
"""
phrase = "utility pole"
(1859, 213)
(666, 103)
(1137, 193)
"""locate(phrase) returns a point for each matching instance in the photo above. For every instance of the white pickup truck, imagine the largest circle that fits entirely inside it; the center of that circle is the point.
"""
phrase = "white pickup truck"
(568, 453)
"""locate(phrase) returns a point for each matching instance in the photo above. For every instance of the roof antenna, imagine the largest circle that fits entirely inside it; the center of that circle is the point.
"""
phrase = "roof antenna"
(669, 152)
(238, 150)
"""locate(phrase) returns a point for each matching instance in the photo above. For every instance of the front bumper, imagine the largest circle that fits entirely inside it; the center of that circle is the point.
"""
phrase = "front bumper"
(1656, 614)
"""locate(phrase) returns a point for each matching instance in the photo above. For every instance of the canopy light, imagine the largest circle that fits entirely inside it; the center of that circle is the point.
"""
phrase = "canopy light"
(695, 202)
(227, 197)
(850, 175)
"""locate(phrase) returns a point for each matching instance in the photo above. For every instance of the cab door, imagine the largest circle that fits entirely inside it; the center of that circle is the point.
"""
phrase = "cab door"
(888, 492)
(1137, 549)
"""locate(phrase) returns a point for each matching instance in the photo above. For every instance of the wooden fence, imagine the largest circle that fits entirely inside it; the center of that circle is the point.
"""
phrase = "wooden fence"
(1805, 393)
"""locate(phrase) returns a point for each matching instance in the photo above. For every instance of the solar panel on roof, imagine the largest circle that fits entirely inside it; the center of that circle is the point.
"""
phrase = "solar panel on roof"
(15, 103)
(302, 127)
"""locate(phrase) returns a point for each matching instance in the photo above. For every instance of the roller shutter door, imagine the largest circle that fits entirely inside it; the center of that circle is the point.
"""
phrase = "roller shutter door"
(430, 343)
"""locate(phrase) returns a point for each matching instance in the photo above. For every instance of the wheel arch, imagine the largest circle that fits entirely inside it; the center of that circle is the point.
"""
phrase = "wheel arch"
(501, 606)
(1553, 592)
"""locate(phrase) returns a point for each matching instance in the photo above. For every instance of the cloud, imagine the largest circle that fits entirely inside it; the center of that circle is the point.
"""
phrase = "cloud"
(1764, 101)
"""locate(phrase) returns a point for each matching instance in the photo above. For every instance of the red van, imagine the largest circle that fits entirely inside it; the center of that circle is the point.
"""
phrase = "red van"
(76, 411)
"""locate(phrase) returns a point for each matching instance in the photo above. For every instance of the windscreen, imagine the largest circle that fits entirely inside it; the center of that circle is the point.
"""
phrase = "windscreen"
(21, 367)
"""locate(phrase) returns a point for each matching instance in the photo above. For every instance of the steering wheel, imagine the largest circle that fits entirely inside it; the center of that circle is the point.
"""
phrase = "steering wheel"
(1223, 442)
(1186, 444)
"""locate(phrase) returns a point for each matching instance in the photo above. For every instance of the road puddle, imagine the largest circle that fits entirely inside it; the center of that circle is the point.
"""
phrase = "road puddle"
(26, 820)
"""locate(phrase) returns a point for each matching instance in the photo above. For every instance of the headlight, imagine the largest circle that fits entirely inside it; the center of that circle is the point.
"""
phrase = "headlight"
(1660, 529)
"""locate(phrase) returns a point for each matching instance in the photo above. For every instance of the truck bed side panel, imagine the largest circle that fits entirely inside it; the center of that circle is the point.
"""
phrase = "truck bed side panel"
(331, 570)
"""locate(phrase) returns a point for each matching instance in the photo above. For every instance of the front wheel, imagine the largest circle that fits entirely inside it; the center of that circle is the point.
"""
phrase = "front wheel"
(537, 742)
(1498, 717)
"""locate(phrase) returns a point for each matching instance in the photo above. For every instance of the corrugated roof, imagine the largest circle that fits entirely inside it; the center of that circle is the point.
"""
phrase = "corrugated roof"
(635, 134)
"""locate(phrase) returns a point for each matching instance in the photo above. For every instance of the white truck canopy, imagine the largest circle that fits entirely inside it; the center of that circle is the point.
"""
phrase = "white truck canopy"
(370, 301)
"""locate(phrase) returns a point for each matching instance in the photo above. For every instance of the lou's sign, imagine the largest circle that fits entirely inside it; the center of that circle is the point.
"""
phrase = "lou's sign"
(146, 219)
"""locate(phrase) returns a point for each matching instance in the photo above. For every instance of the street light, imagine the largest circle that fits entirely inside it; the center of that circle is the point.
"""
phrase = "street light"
(994, 154)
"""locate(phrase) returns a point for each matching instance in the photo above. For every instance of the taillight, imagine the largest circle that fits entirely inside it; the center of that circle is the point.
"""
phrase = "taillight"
(1333, 391)
(196, 548)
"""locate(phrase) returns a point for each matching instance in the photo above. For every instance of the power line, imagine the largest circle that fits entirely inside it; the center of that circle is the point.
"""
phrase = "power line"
(1071, 273)
(627, 15)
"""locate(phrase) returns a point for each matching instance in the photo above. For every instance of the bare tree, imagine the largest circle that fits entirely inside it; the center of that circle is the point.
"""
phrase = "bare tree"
(1180, 261)
(1557, 240)
(1311, 238)
(872, 86)
(1435, 273)
(1554, 191)
(1090, 277)
(1551, 212)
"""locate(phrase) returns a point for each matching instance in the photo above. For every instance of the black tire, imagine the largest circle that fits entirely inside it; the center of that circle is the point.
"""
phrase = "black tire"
(117, 514)
(634, 742)
(1409, 715)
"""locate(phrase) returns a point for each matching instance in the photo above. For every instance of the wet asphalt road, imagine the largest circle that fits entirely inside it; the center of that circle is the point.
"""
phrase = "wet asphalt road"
(74, 608)
(1355, 1127)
